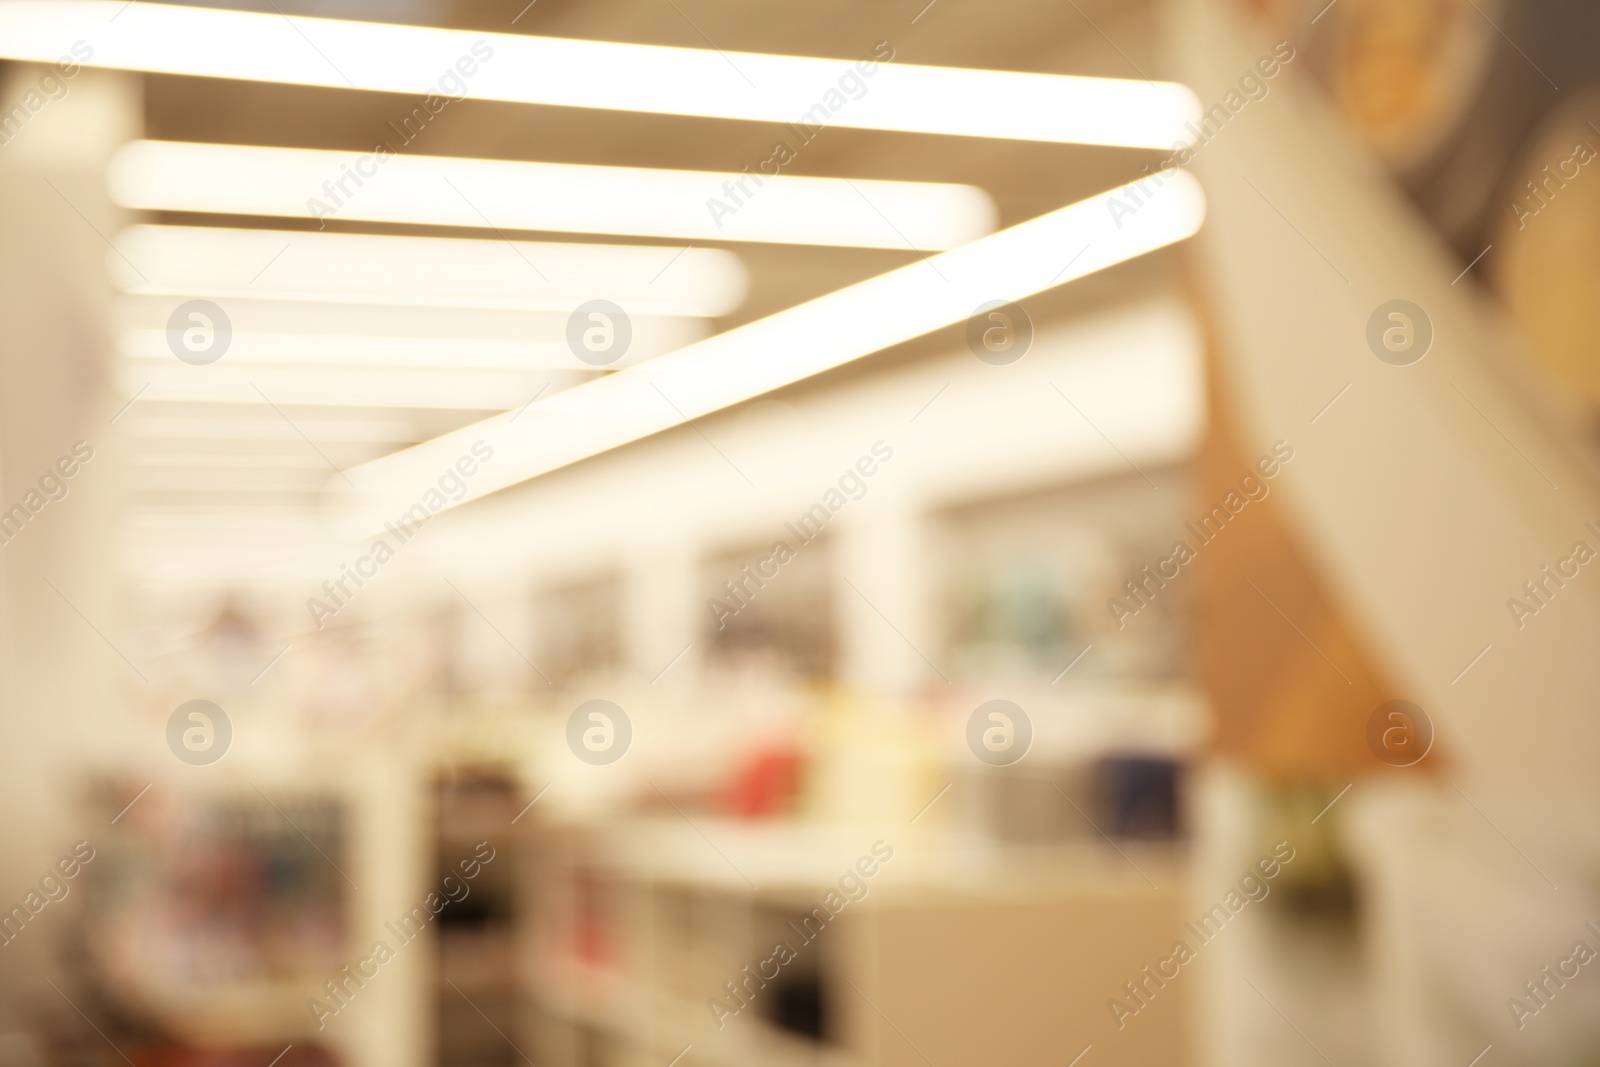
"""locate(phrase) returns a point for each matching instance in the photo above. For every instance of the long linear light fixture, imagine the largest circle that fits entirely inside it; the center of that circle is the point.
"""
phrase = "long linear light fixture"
(178, 430)
(319, 385)
(873, 92)
(448, 272)
(784, 348)
(311, 318)
(149, 350)
(557, 197)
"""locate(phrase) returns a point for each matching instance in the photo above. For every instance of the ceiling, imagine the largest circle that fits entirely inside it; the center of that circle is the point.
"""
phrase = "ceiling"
(259, 470)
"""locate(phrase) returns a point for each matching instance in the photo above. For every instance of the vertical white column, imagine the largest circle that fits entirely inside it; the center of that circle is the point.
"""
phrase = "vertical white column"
(498, 649)
(390, 1022)
(662, 616)
(887, 634)
(63, 685)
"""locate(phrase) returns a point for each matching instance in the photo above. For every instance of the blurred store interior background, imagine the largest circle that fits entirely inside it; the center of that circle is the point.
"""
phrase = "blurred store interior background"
(521, 551)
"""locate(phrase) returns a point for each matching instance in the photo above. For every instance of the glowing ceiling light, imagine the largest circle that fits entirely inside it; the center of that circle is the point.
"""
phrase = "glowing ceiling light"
(219, 264)
(791, 345)
(436, 65)
(152, 349)
(306, 385)
(555, 197)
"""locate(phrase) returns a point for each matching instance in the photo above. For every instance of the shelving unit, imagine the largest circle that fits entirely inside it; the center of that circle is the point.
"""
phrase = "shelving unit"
(641, 924)
(476, 988)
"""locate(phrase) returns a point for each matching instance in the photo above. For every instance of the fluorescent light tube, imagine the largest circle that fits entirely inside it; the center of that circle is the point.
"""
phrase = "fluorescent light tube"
(312, 385)
(789, 346)
(148, 350)
(222, 264)
(215, 458)
(258, 424)
(683, 205)
(419, 324)
(873, 92)
(243, 480)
